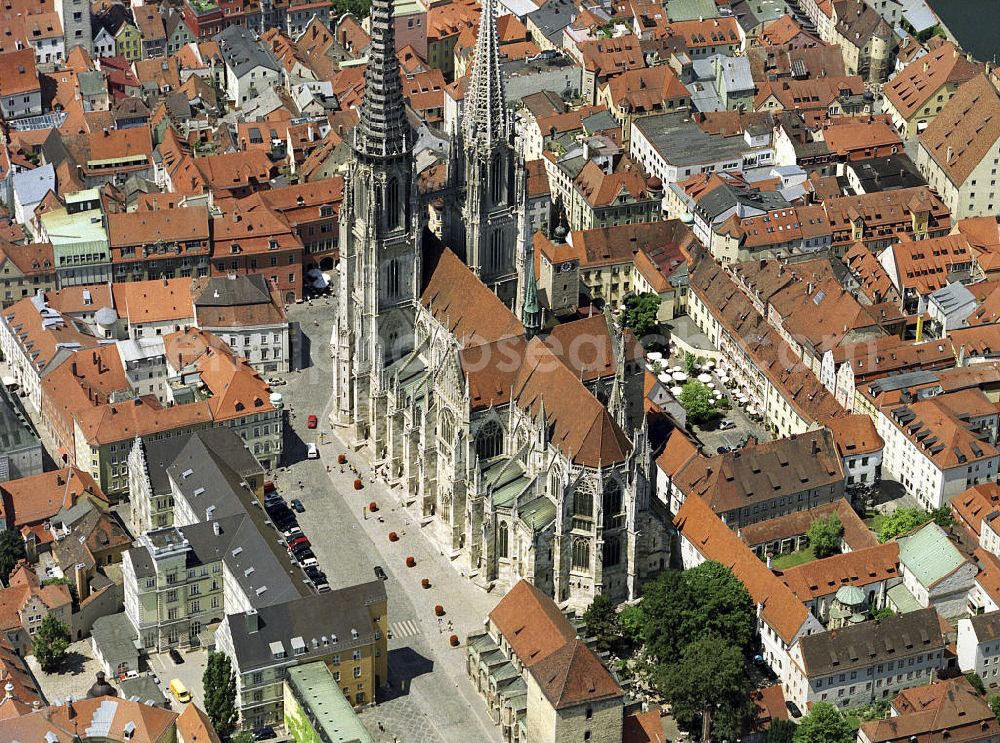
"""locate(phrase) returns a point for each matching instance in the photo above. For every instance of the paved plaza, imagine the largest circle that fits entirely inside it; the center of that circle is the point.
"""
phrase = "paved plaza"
(430, 697)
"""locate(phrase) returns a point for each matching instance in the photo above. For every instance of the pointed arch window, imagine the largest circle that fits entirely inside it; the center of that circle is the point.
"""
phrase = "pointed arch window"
(611, 504)
(583, 503)
(392, 279)
(612, 552)
(503, 540)
(489, 440)
(581, 554)
(497, 180)
(392, 204)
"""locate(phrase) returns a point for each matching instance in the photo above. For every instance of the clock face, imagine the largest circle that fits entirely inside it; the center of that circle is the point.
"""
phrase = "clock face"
(567, 266)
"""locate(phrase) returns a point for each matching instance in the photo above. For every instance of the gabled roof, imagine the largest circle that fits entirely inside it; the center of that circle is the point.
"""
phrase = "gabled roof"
(531, 623)
(782, 611)
(463, 304)
(573, 675)
(966, 129)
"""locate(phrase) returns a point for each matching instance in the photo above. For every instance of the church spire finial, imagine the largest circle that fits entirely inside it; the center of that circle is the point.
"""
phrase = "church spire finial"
(485, 105)
(382, 129)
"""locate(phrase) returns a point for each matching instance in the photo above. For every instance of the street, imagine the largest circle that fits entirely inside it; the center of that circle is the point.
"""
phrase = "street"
(430, 697)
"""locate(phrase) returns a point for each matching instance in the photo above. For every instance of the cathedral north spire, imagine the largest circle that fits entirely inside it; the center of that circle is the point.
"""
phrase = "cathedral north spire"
(485, 105)
(382, 130)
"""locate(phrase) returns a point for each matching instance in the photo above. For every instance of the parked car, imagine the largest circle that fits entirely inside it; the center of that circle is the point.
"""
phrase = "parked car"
(312, 421)
(299, 539)
(297, 505)
(315, 574)
(309, 562)
(176, 657)
(311, 451)
(180, 692)
(726, 425)
(323, 588)
(264, 733)
(269, 486)
(302, 551)
(380, 573)
(291, 532)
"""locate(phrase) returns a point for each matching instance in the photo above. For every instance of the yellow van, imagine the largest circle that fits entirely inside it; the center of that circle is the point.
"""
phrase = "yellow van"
(179, 691)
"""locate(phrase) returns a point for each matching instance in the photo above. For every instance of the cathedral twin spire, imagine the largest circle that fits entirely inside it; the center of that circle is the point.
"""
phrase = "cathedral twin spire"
(382, 130)
(486, 119)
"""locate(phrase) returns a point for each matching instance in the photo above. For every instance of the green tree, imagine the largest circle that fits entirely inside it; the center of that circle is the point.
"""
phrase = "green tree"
(708, 679)
(50, 643)
(11, 550)
(781, 731)
(219, 681)
(630, 620)
(678, 608)
(824, 536)
(640, 313)
(976, 682)
(602, 623)
(699, 402)
(689, 361)
(884, 613)
(995, 705)
(942, 517)
(360, 8)
(901, 521)
(825, 724)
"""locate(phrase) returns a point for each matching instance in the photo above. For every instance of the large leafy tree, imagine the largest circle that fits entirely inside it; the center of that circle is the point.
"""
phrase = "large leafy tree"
(708, 680)
(781, 731)
(640, 313)
(602, 623)
(360, 8)
(219, 681)
(699, 402)
(50, 643)
(825, 724)
(901, 521)
(679, 608)
(824, 536)
(11, 550)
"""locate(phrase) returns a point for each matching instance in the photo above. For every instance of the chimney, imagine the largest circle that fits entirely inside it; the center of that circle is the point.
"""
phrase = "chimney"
(950, 153)
(8, 689)
(253, 621)
(81, 581)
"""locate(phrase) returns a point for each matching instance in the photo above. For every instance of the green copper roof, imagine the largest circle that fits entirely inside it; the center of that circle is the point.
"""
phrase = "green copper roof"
(929, 554)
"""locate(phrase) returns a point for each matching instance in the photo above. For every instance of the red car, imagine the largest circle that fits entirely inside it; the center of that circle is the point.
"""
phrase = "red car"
(302, 539)
(312, 421)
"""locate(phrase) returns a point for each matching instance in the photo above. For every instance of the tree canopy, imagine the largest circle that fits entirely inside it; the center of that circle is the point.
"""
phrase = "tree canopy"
(50, 643)
(11, 550)
(907, 518)
(679, 608)
(360, 8)
(699, 402)
(219, 681)
(601, 621)
(824, 536)
(640, 313)
(825, 724)
(709, 677)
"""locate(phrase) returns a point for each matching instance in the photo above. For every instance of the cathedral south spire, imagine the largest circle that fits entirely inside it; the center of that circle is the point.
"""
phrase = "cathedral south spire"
(486, 116)
(382, 130)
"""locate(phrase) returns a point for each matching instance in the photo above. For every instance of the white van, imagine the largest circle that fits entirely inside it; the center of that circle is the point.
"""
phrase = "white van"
(312, 452)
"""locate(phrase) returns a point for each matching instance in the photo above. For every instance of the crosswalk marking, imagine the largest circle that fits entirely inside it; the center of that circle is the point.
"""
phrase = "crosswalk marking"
(406, 628)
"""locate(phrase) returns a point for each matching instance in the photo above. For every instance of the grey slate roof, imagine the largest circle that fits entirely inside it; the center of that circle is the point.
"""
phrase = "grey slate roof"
(228, 292)
(986, 626)
(15, 431)
(860, 645)
(159, 456)
(323, 622)
(242, 52)
(681, 142)
(115, 636)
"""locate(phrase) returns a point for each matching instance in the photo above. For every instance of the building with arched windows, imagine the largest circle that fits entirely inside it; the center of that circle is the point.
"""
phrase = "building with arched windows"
(526, 450)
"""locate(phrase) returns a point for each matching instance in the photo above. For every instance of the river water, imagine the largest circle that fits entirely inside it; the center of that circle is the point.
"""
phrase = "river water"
(975, 23)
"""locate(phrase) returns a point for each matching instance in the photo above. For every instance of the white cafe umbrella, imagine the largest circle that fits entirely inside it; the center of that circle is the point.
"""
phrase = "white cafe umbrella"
(704, 378)
(675, 391)
(679, 376)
